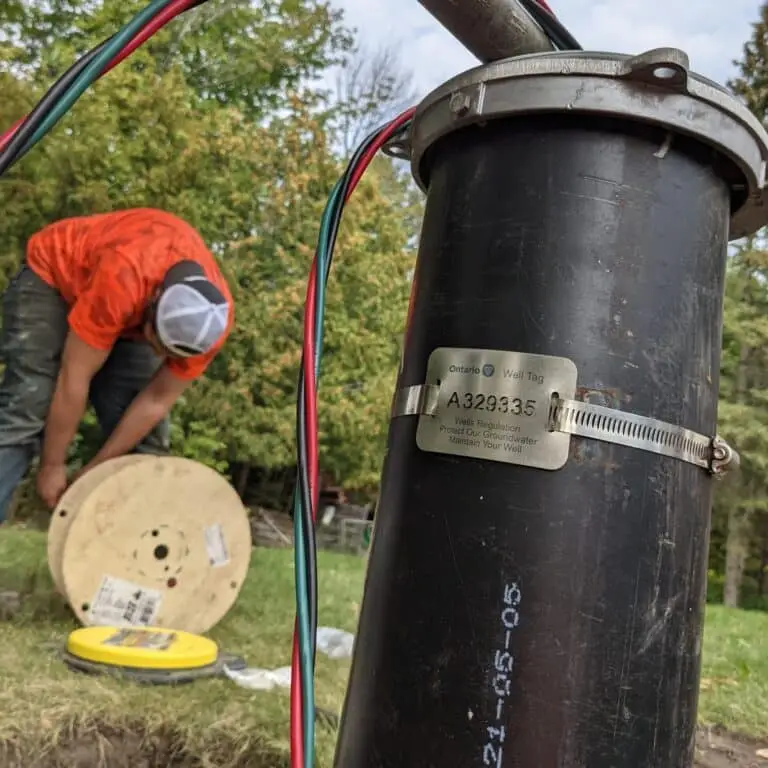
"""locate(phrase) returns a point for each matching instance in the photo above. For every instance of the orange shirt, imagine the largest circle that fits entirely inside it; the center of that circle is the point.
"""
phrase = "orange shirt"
(108, 266)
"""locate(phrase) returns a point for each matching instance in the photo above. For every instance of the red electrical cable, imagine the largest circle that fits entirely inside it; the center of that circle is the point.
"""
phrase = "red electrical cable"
(310, 389)
(545, 6)
(310, 404)
(310, 385)
(171, 11)
(297, 704)
(9, 134)
(385, 135)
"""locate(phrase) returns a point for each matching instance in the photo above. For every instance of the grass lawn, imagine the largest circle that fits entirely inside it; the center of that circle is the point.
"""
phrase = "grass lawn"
(76, 719)
(44, 705)
(734, 685)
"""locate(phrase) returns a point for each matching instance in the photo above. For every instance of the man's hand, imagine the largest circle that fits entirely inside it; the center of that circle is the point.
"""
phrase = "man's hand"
(51, 483)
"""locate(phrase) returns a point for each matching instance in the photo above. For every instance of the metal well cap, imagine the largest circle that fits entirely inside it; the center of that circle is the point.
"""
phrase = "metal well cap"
(656, 87)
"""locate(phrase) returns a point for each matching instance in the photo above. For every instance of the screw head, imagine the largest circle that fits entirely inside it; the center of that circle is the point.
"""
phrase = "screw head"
(459, 104)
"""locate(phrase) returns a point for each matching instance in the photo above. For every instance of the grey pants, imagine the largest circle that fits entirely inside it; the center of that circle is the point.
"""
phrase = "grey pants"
(33, 334)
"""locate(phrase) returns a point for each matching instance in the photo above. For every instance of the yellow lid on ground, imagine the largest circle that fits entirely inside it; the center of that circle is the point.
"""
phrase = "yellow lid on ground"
(142, 648)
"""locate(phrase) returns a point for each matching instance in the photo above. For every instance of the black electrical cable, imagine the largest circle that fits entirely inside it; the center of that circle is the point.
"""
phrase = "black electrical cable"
(308, 538)
(13, 150)
(553, 27)
(347, 180)
(303, 489)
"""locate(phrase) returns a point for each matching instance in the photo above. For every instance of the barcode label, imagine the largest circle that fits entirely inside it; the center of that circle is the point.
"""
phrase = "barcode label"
(118, 603)
(215, 546)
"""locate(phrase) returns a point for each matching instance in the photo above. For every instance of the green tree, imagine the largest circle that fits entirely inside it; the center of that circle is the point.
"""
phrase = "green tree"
(744, 412)
(254, 399)
(741, 508)
(234, 52)
(751, 83)
(256, 191)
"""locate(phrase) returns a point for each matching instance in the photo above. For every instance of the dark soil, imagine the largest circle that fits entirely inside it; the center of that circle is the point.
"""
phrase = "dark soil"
(718, 749)
(108, 747)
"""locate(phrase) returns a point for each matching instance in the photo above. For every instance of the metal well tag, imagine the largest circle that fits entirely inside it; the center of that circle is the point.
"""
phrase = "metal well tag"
(495, 405)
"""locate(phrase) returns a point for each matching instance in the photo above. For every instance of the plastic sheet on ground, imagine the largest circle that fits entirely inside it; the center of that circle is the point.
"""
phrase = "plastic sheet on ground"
(334, 643)
(260, 679)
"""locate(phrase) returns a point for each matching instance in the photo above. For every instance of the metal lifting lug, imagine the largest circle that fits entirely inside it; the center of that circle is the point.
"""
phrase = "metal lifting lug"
(724, 457)
(399, 146)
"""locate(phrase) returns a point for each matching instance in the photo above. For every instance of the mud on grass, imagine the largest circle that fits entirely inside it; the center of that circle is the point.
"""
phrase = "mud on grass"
(100, 745)
(716, 748)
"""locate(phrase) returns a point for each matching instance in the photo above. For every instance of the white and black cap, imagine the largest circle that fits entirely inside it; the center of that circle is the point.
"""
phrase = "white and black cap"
(191, 314)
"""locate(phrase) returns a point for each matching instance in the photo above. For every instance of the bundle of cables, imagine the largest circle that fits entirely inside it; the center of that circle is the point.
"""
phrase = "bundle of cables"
(21, 137)
(26, 133)
(307, 493)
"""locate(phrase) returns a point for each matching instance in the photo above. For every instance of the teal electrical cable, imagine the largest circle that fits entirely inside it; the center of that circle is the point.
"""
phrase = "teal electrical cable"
(94, 69)
(305, 560)
(305, 649)
(325, 225)
(302, 598)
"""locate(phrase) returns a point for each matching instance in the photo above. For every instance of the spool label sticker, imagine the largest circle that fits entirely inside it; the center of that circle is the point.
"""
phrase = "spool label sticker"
(495, 405)
(216, 546)
(118, 602)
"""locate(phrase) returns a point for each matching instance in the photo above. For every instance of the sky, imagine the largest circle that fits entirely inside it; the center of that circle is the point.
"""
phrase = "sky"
(711, 32)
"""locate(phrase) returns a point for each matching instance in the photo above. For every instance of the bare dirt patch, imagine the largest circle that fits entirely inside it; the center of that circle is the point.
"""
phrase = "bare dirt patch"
(716, 748)
(106, 746)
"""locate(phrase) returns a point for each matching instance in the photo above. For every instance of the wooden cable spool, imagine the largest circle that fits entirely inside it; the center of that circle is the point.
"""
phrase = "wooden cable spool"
(67, 510)
(152, 541)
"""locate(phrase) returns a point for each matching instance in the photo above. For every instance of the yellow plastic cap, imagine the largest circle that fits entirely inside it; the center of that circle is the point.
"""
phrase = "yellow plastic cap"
(142, 648)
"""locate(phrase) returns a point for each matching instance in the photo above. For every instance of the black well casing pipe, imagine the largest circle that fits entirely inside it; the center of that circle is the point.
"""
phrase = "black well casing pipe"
(524, 618)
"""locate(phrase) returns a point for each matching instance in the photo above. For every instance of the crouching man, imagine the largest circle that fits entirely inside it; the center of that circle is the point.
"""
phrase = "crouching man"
(123, 310)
